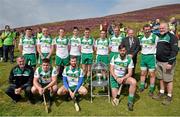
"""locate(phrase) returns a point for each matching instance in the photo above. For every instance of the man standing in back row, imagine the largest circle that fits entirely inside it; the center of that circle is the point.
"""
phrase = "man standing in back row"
(167, 51)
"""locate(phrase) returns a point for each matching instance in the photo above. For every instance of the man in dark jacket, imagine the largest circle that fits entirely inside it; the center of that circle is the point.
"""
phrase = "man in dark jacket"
(20, 78)
(132, 46)
(167, 51)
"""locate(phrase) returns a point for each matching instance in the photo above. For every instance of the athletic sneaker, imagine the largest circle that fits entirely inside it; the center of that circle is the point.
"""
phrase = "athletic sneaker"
(158, 97)
(151, 94)
(130, 106)
(167, 100)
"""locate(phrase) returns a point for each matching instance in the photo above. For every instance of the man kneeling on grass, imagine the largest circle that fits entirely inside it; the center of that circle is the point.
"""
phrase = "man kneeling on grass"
(121, 70)
(45, 81)
(20, 78)
(73, 80)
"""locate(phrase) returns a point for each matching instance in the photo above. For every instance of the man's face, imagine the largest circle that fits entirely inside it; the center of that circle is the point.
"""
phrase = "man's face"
(75, 32)
(73, 62)
(130, 33)
(61, 33)
(21, 62)
(103, 34)
(116, 31)
(122, 52)
(87, 33)
(163, 29)
(7, 28)
(45, 31)
(147, 31)
(45, 66)
(28, 33)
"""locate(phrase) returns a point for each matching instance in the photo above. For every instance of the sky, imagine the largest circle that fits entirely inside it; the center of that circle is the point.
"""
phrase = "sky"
(17, 13)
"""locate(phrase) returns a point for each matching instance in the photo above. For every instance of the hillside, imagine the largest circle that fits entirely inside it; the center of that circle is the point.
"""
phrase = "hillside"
(161, 12)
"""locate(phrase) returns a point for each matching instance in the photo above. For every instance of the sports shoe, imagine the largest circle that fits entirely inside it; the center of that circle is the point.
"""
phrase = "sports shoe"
(158, 97)
(151, 94)
(130, 106)
(167, 100)
(141, 90)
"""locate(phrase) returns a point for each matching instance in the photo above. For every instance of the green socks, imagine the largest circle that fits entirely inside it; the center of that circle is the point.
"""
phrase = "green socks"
(130, 98)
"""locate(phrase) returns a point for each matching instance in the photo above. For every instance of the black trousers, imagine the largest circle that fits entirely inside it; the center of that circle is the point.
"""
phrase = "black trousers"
(1, 52)
(16, 97)
(8, 49)
(134, 61)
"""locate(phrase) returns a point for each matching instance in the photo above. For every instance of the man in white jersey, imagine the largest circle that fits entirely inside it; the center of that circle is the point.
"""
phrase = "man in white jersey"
(72, 82)
(62, 51)
(121, 67)
(45, 79)
(75, 45)
(45, 46)
(115, 41)
(148, 44)
(102, 48)
(87, 47)
(27, 47)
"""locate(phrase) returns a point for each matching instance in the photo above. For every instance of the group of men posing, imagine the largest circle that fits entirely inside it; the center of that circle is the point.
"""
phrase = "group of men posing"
(158, 53)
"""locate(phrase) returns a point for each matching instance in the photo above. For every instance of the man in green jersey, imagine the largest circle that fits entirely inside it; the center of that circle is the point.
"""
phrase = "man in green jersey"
(115, 41)
(45, 46)
(27, 47)
(62, 51)
(75, 45)
(148, 44)
(45, 79)
(87, 48)
(72, 82)
(121, 67)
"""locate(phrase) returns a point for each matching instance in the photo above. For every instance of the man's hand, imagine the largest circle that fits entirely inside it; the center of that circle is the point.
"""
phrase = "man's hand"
(72, 94)
(130, 55)
(41, 91)
(168, 66)
(42, 57)
(18, 91)
(120, 80)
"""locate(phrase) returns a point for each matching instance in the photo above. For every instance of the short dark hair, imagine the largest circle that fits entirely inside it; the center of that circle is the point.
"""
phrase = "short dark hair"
(75, 28)
(46, 60)
(61, 29)
(146, 25)
(73, 57)
(121, 46)
(7, 26)
(87, 29)
(28, 29)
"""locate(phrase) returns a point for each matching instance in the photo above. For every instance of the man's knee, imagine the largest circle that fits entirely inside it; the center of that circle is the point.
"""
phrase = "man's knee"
(34, 90)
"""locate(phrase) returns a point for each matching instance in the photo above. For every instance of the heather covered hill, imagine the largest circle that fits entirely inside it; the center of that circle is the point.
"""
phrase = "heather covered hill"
(161, 12)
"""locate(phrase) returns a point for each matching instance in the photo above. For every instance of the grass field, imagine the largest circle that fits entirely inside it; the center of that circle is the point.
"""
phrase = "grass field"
(144, 105)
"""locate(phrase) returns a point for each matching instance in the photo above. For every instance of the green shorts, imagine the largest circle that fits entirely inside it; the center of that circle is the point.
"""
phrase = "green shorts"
(148, 62)
(30, 59)
(73, 88)
(114, 83)
(62, 62)
(78, 59)
(112, 54)
(45, 55)
(102, 58)
(86, 58)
